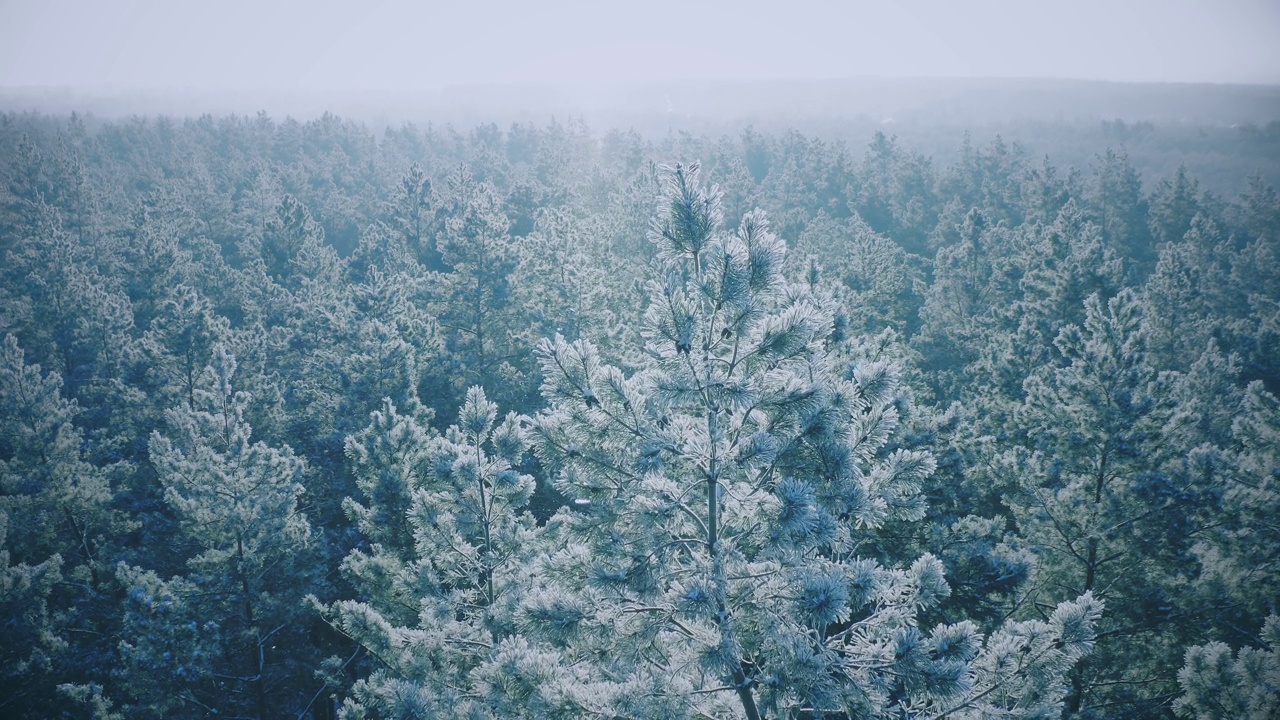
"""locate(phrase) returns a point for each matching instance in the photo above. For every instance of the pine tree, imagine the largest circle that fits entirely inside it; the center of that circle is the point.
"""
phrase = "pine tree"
(69, 318)
(1239, 548)
(1174, 203)
(178, 346)
(879, 277)
(1190, 294)
(1219, 684)
(1120, 210)
(61, 536)
(409, 215)
(447, 565)
(153, 257)
(896, 193)
(33, 645)
(1045, 193)
(206, 642)
(727, 494)
(57, 500)
(395, 344)
(480, 315)
(27, 187)
(986, 179)
(1258, 212)
(572, 282)
(973, 280)
(1108, 503)
(1057, 267)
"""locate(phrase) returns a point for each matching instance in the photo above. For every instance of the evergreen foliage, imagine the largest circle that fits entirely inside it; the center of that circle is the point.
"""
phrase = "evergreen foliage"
(730, 491)
(214, 634)
(448, 564)
(890, 461)
(1218, 683)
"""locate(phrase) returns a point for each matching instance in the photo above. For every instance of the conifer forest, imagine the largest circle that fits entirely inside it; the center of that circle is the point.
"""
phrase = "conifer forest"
(320, 419)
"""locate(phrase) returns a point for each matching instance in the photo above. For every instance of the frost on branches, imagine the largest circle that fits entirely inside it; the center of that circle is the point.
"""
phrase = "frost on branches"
(448, 564)
(1217, 683)
(718, 556)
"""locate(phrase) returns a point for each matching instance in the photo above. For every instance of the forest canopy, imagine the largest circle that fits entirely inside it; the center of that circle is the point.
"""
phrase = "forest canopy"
(302, 419)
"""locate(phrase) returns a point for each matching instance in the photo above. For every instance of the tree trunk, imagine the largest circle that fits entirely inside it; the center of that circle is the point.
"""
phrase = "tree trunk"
(256, 659)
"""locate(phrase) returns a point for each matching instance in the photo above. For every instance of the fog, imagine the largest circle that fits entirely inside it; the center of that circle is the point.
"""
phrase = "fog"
(405, 46)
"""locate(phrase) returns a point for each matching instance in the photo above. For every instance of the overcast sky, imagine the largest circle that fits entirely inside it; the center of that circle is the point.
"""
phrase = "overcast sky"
(322, 44)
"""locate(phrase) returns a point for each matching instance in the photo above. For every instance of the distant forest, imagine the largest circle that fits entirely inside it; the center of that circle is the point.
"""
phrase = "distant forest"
(307, 419)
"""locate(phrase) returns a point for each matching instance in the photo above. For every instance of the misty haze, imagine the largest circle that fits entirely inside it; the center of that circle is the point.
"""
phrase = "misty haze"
(497, 360)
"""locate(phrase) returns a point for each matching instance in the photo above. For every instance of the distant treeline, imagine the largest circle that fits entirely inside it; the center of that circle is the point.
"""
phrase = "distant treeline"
(1222, 133)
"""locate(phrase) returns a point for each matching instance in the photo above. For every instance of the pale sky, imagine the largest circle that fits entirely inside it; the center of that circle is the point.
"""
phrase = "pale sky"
(393, 45)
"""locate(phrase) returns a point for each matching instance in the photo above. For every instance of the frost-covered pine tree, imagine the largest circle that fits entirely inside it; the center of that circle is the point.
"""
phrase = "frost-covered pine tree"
(717, 561)
(1115, 492)
(59, 533)
(483, 325)
(1238, 556)
(31, 643)
(208, 643)
(177, 346)
(447, 563)
(1217, 683)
